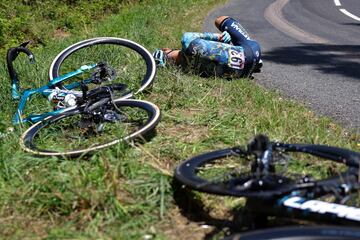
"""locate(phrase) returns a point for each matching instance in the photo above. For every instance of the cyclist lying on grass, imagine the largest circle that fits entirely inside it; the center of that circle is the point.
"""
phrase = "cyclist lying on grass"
(212, 54)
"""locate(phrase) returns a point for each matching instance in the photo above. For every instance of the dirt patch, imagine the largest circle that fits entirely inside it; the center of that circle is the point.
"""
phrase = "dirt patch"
(187, 132)
(10, 226)
(60, 33)
(191, 112)
(179, 227)
(201, 216)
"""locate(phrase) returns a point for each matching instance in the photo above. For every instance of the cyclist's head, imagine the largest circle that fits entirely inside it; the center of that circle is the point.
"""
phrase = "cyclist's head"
(219, 20)
(173, 55)
(167, 55)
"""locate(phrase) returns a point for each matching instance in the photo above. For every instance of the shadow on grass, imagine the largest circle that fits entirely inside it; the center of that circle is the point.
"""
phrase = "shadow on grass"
(194, 210)
(242, 220)
(331, 59)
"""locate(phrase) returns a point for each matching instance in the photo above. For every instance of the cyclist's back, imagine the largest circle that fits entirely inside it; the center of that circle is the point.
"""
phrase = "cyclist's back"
(204, 54)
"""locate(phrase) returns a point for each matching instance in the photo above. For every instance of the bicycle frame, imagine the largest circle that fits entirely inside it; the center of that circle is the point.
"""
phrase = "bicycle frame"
(45, 91)
(307, 206)
(304, 204)
(303, 208)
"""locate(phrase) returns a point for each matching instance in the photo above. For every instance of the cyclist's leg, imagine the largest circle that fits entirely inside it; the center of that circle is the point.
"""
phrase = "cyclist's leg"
(240, 37)
(237, 32)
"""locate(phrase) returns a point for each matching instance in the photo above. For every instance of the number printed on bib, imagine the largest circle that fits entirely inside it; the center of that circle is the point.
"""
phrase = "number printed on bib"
(236, 59)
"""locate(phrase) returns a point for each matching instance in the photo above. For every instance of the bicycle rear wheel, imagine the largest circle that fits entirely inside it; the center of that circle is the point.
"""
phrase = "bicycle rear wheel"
(133, 64)
(229, 171)
(69, 135)
(301, 233)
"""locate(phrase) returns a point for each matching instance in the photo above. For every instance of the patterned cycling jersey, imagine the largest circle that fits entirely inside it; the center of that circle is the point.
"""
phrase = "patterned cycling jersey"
(204, 54)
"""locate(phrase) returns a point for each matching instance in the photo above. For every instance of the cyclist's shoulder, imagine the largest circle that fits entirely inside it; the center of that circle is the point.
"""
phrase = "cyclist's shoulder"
(188, 37)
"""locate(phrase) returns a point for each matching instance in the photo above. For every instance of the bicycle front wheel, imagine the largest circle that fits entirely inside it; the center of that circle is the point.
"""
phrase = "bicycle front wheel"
(69, 135)
(230, 171)
(222, 172)
(133, 64)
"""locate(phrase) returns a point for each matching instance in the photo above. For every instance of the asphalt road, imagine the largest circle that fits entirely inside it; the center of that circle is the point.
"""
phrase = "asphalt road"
(311, 51)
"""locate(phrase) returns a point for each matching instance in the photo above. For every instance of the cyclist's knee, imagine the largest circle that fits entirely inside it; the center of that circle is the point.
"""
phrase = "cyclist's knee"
(237, 32)
(219, 20)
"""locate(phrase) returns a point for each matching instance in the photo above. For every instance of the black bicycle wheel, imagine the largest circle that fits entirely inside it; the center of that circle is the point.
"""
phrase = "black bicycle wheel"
(70, 135)
(295, 166)
(133, 64)
(301, 233)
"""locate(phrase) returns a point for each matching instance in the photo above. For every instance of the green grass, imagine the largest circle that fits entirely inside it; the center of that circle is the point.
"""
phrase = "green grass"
(44, 20)
(125, 192)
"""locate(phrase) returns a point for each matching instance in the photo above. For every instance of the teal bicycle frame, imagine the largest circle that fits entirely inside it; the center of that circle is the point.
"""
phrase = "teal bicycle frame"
(45, 91)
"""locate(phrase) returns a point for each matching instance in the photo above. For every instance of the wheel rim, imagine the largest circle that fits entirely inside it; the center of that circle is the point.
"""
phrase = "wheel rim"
(226, 172)
(133, 64)
(62, 135)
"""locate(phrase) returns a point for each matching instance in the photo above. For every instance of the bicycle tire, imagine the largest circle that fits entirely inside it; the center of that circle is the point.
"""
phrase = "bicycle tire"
(121, 54)
(61, 135)
(300, 233)
(232, 182)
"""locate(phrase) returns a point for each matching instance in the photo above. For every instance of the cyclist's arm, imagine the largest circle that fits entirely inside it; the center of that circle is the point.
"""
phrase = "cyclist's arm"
(188, 37)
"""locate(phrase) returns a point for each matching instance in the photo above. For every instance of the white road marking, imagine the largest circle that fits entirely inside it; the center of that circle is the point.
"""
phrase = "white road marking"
(344, 11)
(273, 14)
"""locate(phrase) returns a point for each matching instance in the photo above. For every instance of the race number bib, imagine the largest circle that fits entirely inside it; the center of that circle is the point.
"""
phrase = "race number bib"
(236, 59)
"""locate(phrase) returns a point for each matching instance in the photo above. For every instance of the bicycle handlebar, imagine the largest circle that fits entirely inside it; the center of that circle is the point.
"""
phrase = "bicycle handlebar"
(12, 54)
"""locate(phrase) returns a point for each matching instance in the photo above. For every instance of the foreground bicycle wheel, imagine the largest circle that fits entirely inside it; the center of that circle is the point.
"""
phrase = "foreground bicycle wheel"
(237, 172)
(70, 135)
(133, 64)
(301, 233)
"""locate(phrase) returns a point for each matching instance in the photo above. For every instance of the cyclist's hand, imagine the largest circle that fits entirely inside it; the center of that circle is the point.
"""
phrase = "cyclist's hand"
(159, 57)
(225, 37)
